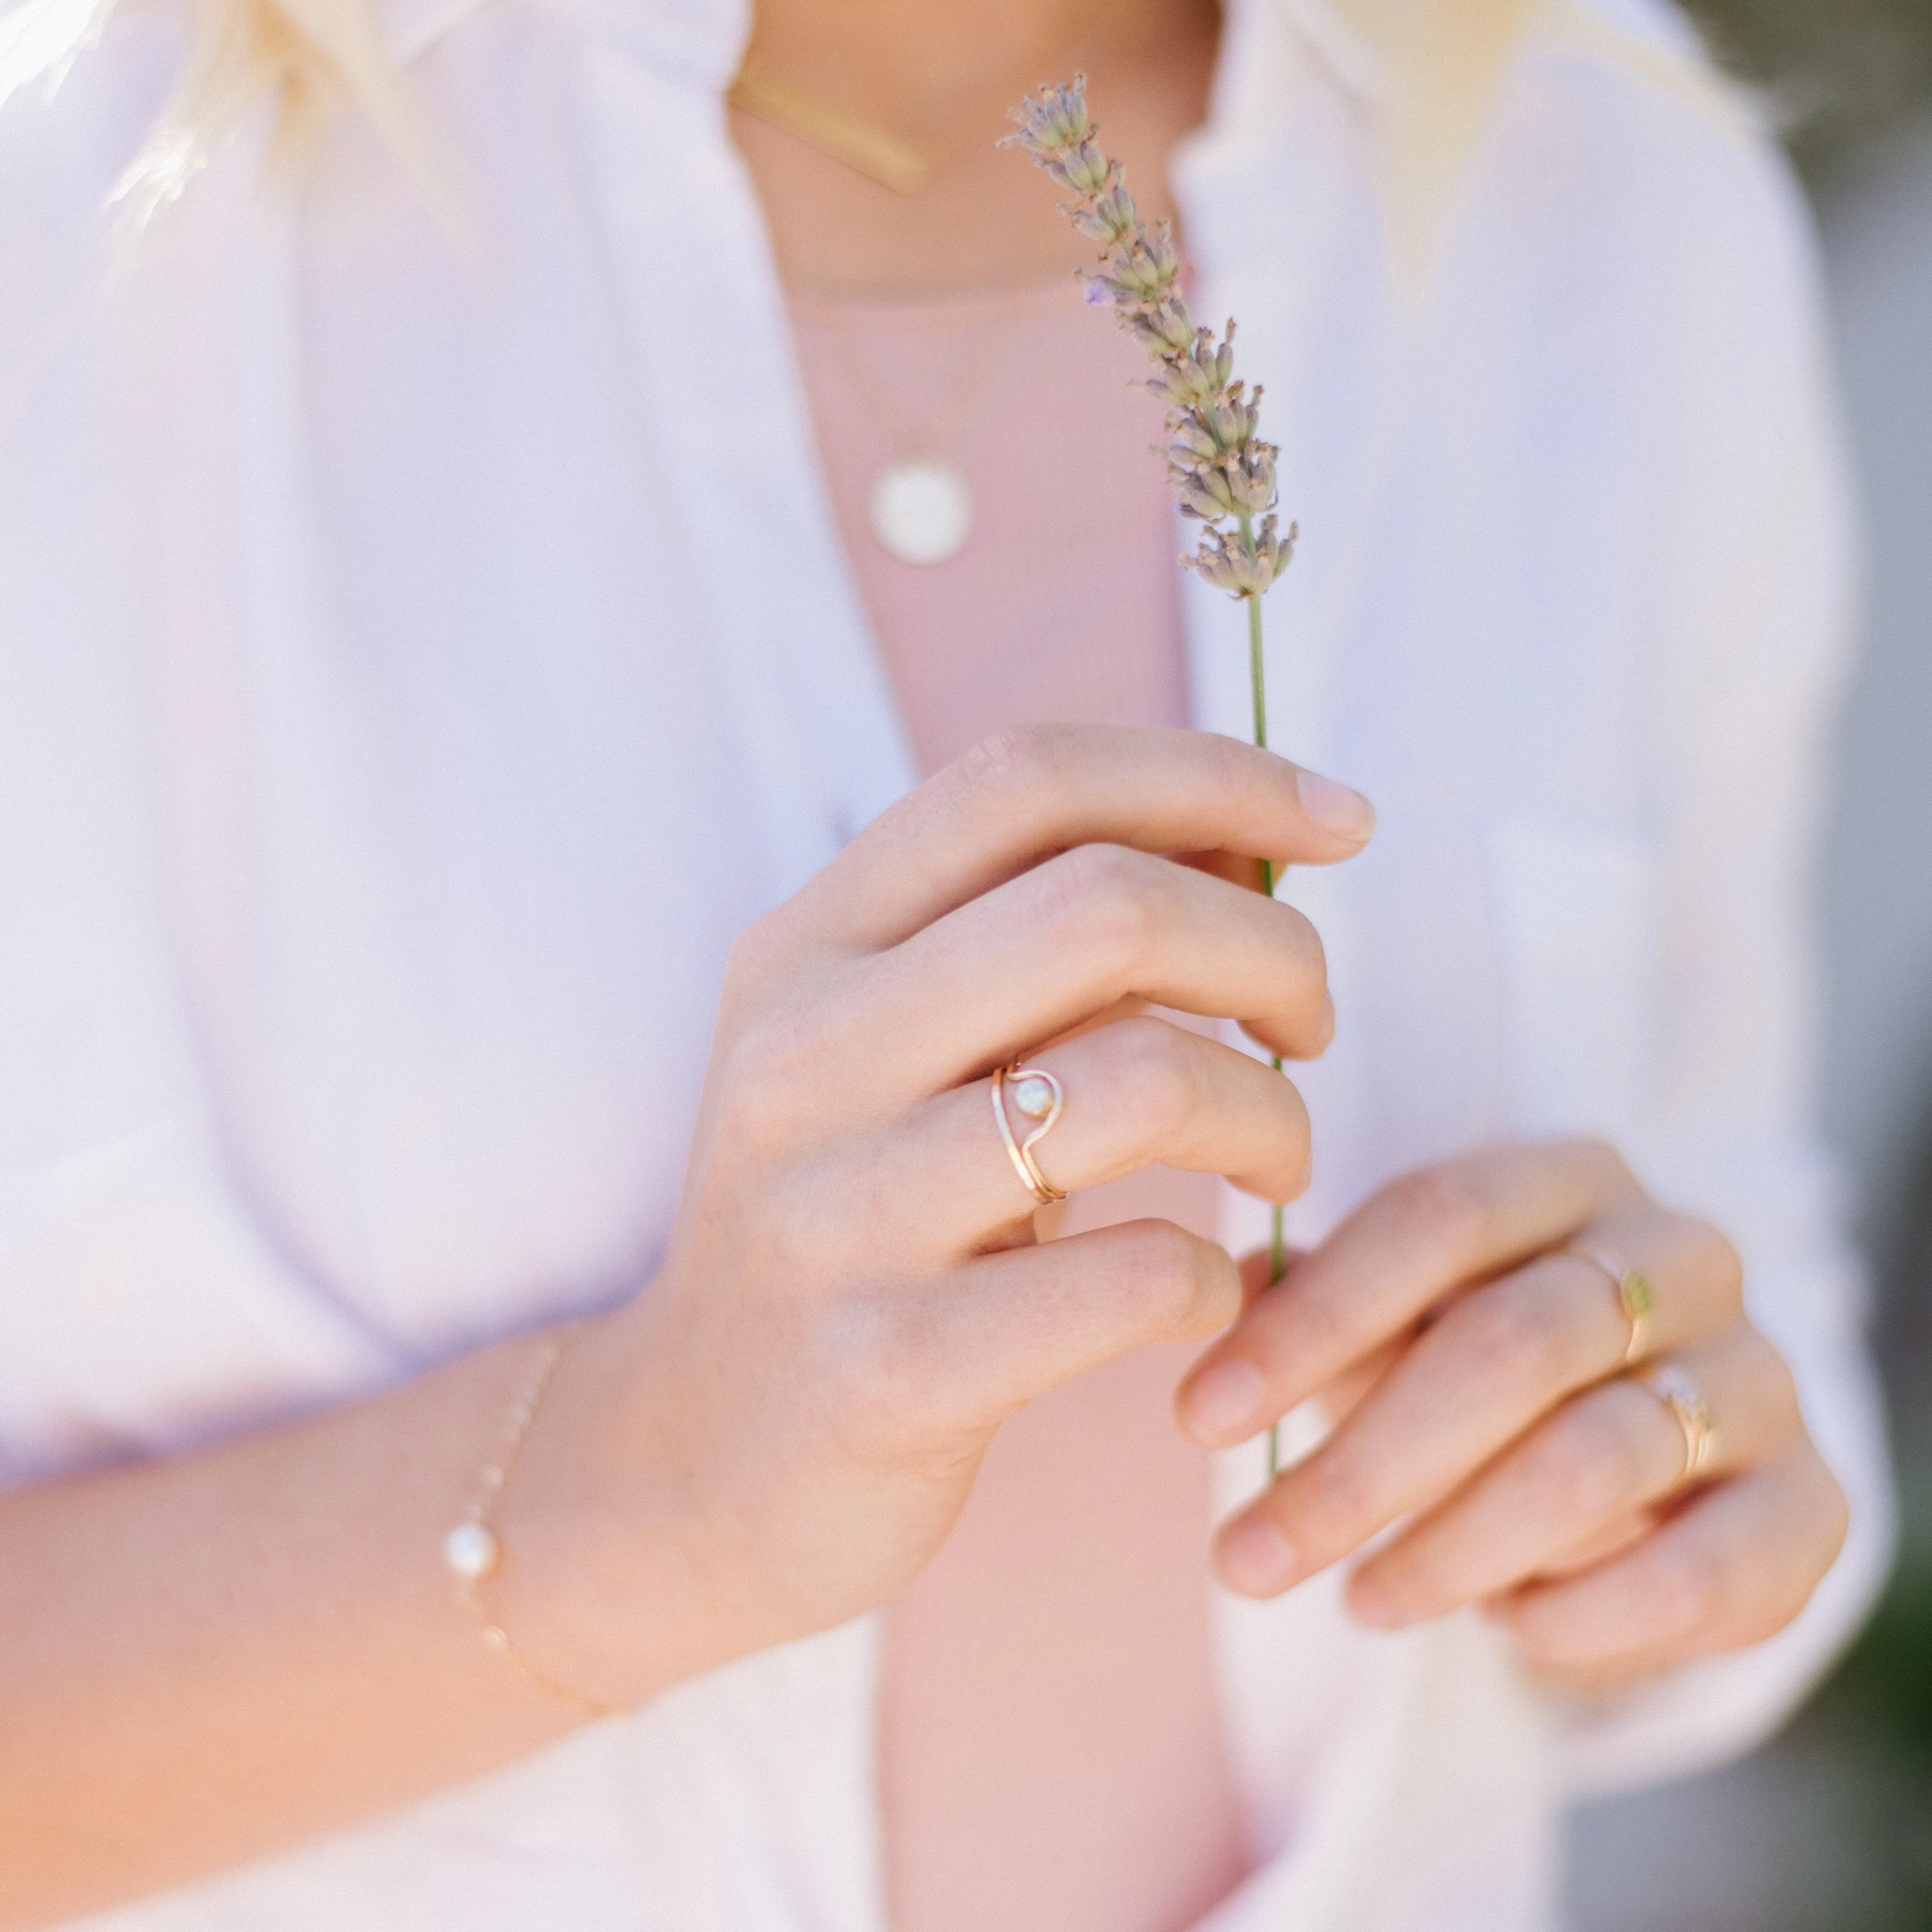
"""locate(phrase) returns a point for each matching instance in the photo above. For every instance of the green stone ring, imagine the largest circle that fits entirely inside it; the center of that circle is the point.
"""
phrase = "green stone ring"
(1635, 1297)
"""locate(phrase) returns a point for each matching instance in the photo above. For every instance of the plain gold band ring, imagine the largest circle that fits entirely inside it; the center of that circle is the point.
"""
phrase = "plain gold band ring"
(1679, 1394)
(1040, 1097)
(1635, 1295)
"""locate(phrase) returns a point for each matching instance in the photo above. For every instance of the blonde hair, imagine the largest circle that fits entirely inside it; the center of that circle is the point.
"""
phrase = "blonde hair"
(309, 58)
(1438, 63)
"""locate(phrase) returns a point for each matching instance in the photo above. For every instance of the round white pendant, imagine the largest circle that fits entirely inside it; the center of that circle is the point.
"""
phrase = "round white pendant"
(921, 511)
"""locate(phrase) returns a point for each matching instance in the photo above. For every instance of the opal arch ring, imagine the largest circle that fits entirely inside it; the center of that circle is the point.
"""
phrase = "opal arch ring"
(1679, 1394)
(1635, 1295)
(1037, 1097)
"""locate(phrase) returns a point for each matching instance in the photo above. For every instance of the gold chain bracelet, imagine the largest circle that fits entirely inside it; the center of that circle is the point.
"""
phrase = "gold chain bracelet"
(471, 1551)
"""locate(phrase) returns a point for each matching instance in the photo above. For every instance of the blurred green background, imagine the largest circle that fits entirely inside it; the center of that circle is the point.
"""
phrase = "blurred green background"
(1829, 1829)
(1843, 71)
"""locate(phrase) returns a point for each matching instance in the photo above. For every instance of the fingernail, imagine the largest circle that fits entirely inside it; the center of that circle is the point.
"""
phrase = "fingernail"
(1368, 1604)
(1334, 807)
(1224, 1399)
(1256, 1558)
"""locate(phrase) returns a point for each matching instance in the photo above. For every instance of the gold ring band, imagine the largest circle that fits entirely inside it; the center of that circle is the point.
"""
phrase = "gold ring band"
(1635, 1296)
(1679, 1394)
(1040, 1097)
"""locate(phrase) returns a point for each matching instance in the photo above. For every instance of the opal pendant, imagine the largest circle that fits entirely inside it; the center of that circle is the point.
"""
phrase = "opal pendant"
(921, 510)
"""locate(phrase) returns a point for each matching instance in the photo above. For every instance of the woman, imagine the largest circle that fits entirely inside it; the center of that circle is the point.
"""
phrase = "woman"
(488, 1441)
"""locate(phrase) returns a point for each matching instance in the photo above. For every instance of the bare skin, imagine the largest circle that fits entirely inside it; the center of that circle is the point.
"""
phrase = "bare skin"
(1652, 1577)
(941, 74)
(1485, 1403)
(212, 1657)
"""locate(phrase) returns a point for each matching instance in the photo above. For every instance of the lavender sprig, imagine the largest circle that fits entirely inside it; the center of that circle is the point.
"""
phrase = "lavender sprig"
(1221, 472)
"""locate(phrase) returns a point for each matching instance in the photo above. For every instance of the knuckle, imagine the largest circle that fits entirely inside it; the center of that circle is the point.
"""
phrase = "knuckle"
(1305, 980)
(1295, 1325)
(1109, 899)
(1515, 1337)
(1611, 1172)
(1156, 1075)
(750, 963)
(1770, 1375)
(1311, 952)
(1442, 1207)
(1822, 1500)
(1164, 1276)
(875, 1377)
(761, 1073)
(1018, 763)
(1685, 1587)
(1715, 1258)
(1332, 1497)
(1588, 1464)
(802, 1242)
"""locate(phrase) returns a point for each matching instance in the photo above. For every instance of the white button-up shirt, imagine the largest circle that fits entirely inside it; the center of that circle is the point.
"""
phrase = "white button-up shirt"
(417, 660)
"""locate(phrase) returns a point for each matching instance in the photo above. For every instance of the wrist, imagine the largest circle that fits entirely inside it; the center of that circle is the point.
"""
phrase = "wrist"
(598, 1579)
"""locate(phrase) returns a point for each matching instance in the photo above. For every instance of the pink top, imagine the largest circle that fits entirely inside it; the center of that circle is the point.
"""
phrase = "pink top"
(1051, 1756)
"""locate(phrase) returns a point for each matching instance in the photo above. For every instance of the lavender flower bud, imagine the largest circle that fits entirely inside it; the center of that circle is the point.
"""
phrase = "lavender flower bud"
(1279, 550)
(1083, 168)
(1167, 327)
(1191, 443)
(1217, 467)
(1141, 275)
(1213, 491)
(1222, 563)
(1229, 419)
(1111, 219)
(1184, 381)
(1251, 480)
(1054, 119)
(1172, 386)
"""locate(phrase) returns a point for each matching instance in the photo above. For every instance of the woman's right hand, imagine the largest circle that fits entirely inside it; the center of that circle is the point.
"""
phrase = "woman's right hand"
(789, 1419)
(207, 1656)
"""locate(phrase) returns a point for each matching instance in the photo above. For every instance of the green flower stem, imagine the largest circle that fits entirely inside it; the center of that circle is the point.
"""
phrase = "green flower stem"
(1218, 467)
(1257, 689)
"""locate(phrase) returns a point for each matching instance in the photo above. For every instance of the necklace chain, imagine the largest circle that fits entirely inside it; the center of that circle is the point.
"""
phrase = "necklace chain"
(926, 438)
(863, 146)
(906, 167)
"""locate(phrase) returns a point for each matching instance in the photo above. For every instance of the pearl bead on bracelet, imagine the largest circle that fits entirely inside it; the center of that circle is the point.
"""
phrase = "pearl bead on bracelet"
(471, 1550)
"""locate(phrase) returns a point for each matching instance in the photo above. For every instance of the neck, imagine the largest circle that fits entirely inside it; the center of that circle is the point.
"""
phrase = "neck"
(922, 69)
(939, 74)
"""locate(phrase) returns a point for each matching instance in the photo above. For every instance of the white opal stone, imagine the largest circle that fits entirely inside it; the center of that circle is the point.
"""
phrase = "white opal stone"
(1033, 1097)
(921, 512)
(470, 1551)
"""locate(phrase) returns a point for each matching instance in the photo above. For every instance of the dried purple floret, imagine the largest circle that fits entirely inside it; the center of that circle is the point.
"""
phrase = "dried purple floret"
(1219, 469)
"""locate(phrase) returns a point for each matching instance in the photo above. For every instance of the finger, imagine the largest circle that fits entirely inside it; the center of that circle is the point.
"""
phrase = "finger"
(1236, 867)
(1610, 1539)
(1140, 1091)
(1567, 1491)
(1028, 793)
(1241, 1392)
(1496, 1360)
(1733, 1568)
(1405, 1248)
(966, 1352)
(1038, 955)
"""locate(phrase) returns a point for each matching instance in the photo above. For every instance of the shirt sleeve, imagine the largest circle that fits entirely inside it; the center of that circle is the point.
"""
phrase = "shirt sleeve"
(143, 1304)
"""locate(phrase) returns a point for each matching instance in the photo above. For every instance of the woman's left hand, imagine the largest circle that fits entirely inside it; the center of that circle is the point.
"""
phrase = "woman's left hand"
(1480, 1364)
